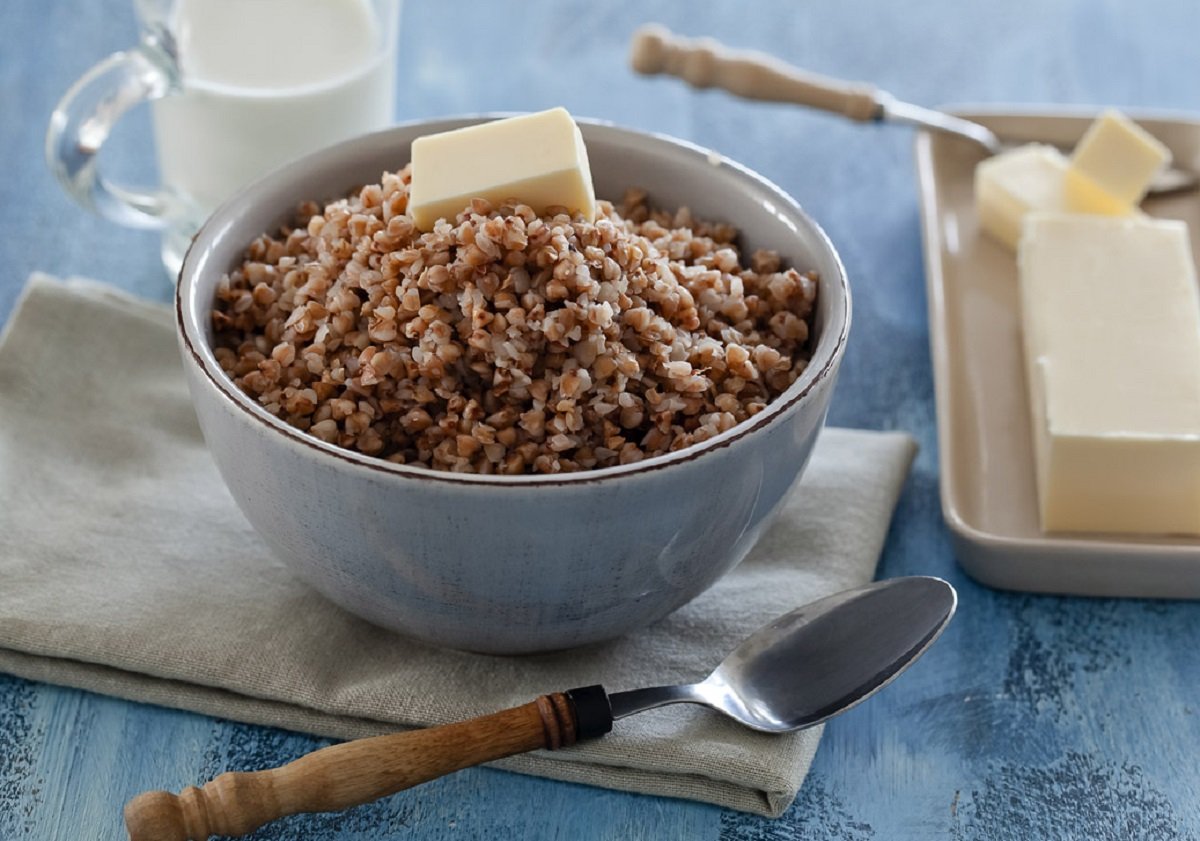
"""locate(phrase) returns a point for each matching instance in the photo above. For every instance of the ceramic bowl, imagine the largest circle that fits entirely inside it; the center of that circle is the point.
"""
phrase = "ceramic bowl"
(527, 563)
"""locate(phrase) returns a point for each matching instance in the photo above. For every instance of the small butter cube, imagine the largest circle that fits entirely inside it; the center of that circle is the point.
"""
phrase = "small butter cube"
(1009, 185)
(1111, 321)
(536, 159)
(1118, 157)
(1029, 178)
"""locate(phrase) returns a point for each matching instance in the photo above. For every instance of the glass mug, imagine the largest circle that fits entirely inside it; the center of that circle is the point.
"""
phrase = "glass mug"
(238, 88)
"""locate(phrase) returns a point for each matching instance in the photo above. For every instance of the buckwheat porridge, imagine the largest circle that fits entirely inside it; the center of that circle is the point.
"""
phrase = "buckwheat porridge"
(504, 342)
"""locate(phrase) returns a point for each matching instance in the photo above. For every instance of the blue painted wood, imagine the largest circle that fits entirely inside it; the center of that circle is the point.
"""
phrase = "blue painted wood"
(1033, 717)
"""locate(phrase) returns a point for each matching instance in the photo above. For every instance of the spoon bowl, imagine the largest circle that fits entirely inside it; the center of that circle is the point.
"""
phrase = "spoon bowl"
(817, 661)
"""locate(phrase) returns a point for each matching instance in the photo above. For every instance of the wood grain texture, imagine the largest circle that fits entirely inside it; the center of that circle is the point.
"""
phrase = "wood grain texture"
(1032, 717)
(341, 776)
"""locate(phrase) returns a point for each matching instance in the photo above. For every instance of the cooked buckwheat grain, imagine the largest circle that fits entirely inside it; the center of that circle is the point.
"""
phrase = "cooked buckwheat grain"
(504, 342)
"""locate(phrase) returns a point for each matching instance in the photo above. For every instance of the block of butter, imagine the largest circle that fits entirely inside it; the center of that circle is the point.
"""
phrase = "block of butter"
(1117, 156)
(537, 159)
(1111, 320)
(1033, 177)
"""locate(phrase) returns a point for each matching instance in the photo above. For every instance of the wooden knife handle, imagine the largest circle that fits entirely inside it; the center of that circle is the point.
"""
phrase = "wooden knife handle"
(705, 63)
(352, 773)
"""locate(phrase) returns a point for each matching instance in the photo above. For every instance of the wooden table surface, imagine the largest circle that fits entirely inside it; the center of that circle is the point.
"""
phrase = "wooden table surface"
(1033, 717)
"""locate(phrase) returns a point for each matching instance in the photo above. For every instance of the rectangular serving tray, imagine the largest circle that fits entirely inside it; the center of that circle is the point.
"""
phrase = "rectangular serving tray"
(989, 498)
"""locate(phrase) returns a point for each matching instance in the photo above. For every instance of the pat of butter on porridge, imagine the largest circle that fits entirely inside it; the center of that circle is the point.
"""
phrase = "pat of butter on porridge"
(537, 159)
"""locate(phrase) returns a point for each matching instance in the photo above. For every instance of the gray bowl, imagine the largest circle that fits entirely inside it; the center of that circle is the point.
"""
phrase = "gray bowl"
(525, 563)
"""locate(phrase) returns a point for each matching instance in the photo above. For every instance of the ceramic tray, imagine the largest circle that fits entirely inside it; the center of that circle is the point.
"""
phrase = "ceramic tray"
(989, 498)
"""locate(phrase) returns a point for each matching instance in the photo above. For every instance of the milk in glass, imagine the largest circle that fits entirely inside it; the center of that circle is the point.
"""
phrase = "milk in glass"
(263, 82)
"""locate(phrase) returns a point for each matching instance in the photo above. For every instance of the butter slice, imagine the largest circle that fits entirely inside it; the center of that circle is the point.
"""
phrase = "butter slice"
(1111, 320)
(1029, 178)
(536, 159)
(1118, 157)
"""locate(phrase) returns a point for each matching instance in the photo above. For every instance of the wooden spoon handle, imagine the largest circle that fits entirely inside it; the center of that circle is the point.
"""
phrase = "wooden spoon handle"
(705, 63)
(352, 773)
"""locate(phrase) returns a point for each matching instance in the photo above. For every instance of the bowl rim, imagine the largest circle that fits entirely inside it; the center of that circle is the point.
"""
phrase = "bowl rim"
(818, 369)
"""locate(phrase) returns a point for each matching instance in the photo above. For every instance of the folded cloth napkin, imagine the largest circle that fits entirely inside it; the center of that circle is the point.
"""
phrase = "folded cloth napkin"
(126, 569)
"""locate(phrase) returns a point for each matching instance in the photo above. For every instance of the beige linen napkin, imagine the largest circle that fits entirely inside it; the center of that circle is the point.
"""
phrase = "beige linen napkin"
(126, 569)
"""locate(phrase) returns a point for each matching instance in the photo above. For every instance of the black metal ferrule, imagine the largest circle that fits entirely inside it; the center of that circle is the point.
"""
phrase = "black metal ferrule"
(593, 712)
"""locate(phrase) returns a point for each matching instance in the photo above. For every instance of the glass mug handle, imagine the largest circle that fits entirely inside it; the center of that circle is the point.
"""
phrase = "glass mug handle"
(85, 116)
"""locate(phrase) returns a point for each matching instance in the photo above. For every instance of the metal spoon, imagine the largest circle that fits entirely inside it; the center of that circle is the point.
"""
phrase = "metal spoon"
(797, 671)
(705, 63)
